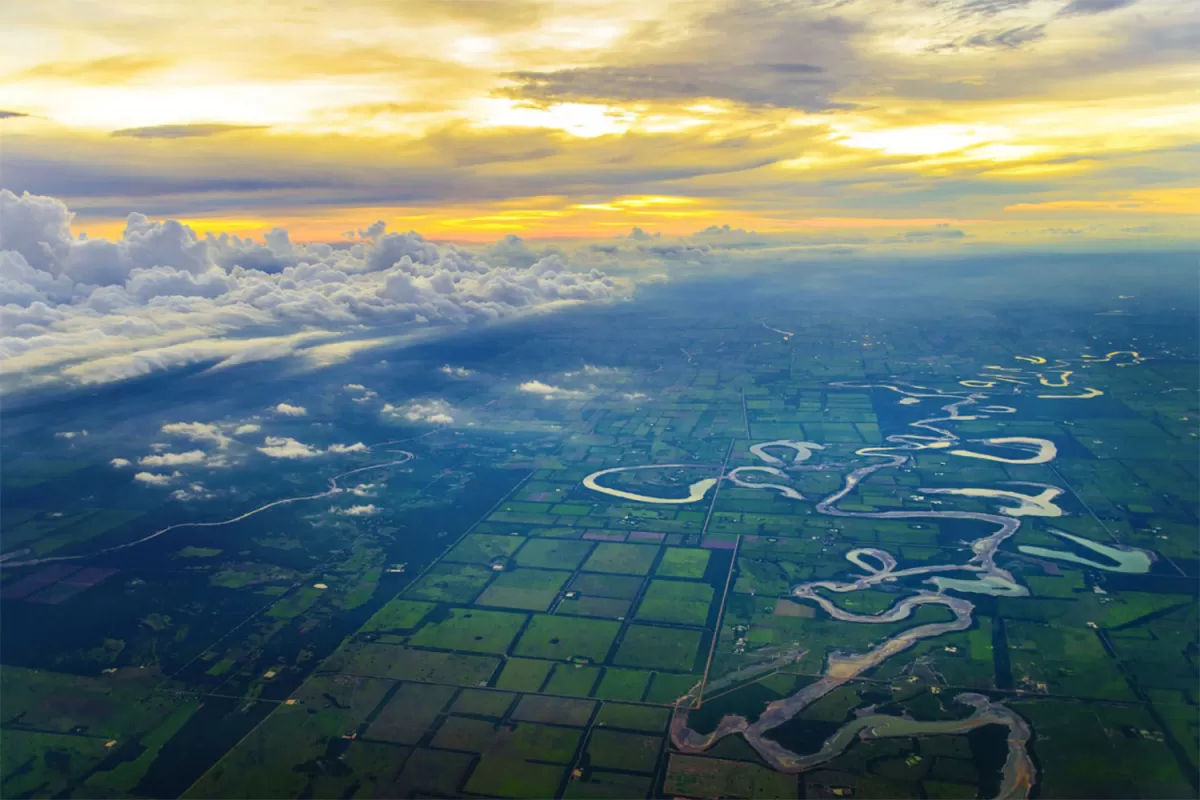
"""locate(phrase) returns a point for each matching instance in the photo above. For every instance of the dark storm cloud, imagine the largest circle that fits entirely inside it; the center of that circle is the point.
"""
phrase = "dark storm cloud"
(940, 232)
(183, 131)
(82, 179)
(11, 114)
(1086, 7)
(987, 8)
(1009, 39)
(800, 86)
(754, 52)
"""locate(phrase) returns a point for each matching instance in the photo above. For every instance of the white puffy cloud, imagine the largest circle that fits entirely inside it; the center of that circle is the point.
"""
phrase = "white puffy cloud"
(289, 410)
(198, 432)
(174, 459)
(358, 511)
(248, 427)
(194, 491)
(354, 387)
(456, 372)
(154, 479)
(70, 434)
(434, 412)
(90, 311)
(357, 447)
(362, 490)
(549, 392)
(120, 463)
(287, 447)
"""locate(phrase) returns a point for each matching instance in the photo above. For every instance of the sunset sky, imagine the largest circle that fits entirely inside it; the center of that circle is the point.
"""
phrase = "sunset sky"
(1013, 120)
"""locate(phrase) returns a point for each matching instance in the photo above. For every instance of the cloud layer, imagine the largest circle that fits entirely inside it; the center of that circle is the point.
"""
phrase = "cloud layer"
(92, 311)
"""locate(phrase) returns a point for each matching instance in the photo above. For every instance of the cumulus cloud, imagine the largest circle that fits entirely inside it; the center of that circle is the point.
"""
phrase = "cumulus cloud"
(70, 434)
(248, 427)
(154, 479)
(174, 459)
(194, 491)
(289, 410)
(357, 447)
(89, 311)
(120, 463)
(199, 432)
(548, 392)
(433, 412)
(354, 387)
(357, 511)
(456, 372)
(287, 447)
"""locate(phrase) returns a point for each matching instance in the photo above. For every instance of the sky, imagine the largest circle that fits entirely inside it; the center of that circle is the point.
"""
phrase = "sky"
(1016, 122)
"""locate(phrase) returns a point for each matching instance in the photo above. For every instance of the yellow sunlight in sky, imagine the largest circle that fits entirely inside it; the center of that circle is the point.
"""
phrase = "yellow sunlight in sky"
(579, 118)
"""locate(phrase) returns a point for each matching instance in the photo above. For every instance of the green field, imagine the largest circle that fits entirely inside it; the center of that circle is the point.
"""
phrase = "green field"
(683, 602)
(470, 629)
(658, 648)
(529, 589)
(563, 638)
(625, 559)
(553, 553)
(683, 562)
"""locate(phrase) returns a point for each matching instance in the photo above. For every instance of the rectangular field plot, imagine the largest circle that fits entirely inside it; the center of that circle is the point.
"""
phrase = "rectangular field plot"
(554, 710)
(620, 558)
(409, 713)
(398, 615)
(514, 762)
(497, 776)
(572, 679)
(563, 638)
(428, 772)
(523, 674)
(403, 663)
(694, 776)
(635, 752)
(461, 733)
(683, 562)
(450, 583)
(483, 548)
(585, 606)
(529, 589)
(658, 648)
(470, 629)
(623, 684)
(601, 785)
(684, 602)
(553, 553)
(632, 717)
(615, 586)
(483, 702)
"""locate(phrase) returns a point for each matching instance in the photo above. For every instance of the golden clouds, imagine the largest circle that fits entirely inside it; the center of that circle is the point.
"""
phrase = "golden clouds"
(562, 118)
